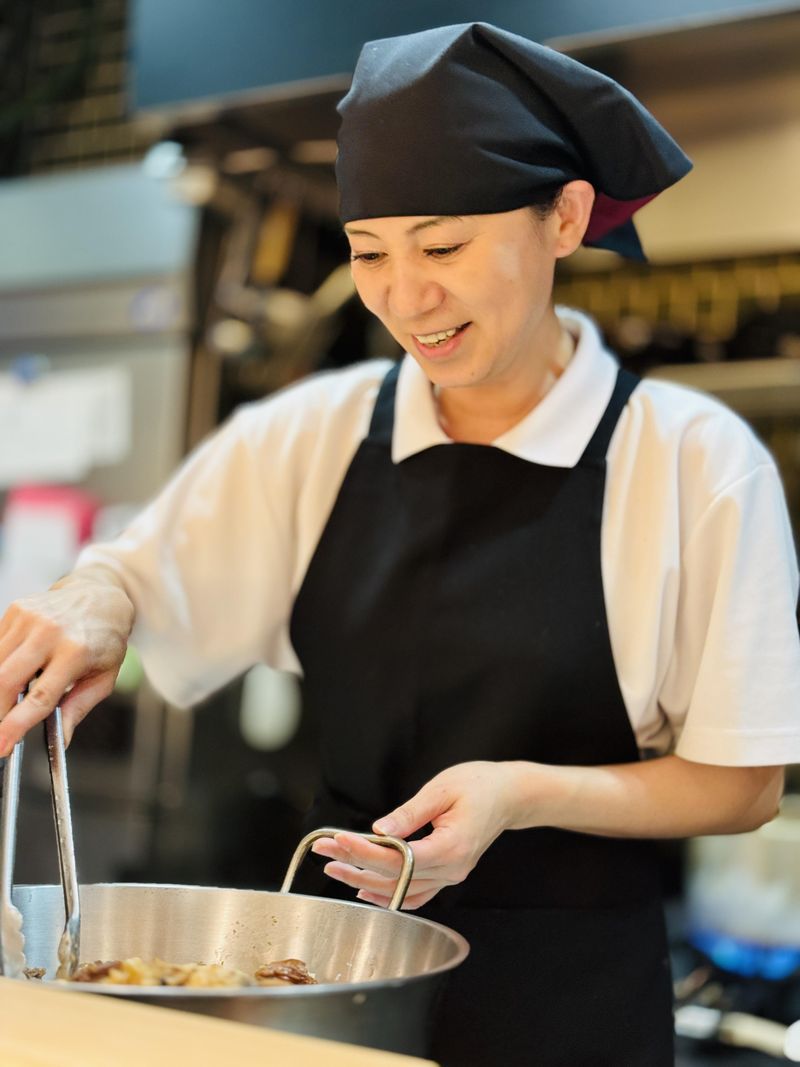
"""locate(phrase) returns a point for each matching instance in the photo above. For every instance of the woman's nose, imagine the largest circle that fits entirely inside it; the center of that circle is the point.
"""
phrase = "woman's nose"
(411, 294)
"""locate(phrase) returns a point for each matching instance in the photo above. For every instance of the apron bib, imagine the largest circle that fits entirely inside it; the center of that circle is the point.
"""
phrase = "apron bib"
(454, 611)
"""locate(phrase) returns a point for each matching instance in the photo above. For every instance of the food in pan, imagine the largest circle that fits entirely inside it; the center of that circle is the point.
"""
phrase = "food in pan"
(283, 972)
(135, 971)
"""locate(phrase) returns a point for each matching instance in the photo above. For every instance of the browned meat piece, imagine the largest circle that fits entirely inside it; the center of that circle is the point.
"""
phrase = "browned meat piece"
(281, 972)
(35, 972)
(95, 972)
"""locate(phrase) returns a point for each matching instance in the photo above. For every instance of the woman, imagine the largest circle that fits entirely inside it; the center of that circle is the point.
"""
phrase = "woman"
(504, 567)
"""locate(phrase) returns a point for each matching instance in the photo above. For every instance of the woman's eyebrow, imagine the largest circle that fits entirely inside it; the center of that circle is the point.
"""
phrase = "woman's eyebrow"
(413, 229)
(434, 222)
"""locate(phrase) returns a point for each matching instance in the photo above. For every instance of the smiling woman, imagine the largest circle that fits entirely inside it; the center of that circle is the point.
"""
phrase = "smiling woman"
(506, 568)
(470, 299)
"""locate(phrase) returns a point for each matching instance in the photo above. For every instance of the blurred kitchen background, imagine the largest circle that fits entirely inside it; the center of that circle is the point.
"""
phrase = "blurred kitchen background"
(169, 249)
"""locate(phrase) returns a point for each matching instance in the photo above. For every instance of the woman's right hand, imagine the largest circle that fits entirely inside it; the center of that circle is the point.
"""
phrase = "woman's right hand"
(74, 637)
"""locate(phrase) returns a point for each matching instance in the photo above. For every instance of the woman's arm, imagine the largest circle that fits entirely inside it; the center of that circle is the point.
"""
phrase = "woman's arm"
(75, 634)
(471, 804)
(205, 568)
(666, 797)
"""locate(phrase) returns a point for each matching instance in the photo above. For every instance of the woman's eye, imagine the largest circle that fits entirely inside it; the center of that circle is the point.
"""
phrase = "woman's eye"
(365, 257)
(443, 251)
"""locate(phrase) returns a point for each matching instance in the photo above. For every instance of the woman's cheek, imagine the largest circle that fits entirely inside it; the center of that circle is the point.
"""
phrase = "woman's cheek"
(367, 295)
(507, 262)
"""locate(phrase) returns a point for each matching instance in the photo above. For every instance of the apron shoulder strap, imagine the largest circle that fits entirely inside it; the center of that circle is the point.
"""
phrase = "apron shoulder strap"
(382, 422)
(601, 438)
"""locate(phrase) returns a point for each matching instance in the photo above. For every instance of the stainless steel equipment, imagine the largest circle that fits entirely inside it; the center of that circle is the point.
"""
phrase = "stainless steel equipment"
(70, 940)
(379, 970)
(105, 287)
(12, 941)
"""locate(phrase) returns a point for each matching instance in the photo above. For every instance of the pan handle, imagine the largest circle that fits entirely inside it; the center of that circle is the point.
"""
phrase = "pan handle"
(402, 847)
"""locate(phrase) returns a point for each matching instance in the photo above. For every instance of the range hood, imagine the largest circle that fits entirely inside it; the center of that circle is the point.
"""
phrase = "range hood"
(729, 92)
(728, 89)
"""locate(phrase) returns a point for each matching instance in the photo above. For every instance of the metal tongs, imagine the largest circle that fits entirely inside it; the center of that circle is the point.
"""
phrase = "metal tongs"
(12, 939)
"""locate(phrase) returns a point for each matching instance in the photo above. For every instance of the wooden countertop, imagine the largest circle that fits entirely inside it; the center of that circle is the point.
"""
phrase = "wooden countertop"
(45, 1027)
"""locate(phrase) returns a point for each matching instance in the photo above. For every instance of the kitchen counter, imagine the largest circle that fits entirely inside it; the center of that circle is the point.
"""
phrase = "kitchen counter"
(43, 1027)
(46, 1027)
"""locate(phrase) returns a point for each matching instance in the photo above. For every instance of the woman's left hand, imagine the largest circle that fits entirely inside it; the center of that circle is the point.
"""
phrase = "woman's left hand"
(471, 804)
(468, 805)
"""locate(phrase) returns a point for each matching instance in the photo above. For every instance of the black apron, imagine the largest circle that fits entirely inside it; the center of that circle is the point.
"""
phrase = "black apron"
(454, 611)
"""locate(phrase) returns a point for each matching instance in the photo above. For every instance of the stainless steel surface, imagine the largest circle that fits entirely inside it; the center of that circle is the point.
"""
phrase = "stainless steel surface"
(402, 847)
(379, 971)
(106, 285)
(12, 940)
(69, 942)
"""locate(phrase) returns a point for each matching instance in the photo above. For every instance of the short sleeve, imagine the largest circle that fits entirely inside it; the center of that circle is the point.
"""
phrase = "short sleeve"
(214, 563)
(732, 688)
(207, 565)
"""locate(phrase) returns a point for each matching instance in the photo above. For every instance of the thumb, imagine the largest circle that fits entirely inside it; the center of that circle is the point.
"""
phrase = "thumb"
(421, 809)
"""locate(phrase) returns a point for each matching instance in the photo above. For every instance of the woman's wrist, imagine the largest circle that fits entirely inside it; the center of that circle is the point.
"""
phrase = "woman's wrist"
(537, 794)
(107, 595)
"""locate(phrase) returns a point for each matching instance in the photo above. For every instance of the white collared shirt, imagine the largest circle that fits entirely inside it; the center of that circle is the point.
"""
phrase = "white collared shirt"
(699, 568)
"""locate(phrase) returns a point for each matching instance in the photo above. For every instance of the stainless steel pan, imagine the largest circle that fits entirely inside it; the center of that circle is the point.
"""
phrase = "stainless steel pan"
(379, 970)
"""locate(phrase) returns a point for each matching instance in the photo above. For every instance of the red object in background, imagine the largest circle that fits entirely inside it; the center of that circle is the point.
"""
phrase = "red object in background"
(79, 504)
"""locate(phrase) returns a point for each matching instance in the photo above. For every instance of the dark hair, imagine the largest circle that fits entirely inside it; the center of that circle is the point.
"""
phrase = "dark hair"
(546, 201)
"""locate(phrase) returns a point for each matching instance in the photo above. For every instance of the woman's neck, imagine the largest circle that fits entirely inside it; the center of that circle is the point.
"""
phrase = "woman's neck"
(480, 415)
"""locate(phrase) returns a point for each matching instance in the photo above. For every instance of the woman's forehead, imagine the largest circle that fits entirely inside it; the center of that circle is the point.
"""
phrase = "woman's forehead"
(407, 225)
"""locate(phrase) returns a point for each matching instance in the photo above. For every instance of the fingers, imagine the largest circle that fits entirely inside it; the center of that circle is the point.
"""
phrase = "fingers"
(375, 883)
(43, 695)
(374, 869)
(74, 633)
(422, 808)
(10, 632)
(375, 889)
(350, 848)
(433, 855)
(437, 851)
(16, 671)
(433, 801)
(84, 695)
(28, 646)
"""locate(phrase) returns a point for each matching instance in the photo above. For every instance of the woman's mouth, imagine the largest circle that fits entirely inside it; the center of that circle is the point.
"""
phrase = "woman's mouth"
(440, 342)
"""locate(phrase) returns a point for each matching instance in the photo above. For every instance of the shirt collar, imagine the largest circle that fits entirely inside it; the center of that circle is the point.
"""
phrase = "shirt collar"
(555, 433)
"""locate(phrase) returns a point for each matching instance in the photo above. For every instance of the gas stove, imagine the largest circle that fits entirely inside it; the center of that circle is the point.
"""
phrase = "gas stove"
(733, 1001)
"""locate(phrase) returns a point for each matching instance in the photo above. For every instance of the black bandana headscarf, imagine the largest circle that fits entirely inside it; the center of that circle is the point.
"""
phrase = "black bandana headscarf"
(471, 119)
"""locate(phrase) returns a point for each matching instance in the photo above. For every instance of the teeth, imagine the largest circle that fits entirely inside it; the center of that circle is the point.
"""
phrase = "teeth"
(436, 338)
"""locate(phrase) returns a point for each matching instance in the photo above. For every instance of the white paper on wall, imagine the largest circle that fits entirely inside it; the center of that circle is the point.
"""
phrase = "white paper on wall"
(57, 427)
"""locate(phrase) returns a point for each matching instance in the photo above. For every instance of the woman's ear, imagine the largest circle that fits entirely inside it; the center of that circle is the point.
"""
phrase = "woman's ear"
(571, 216)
